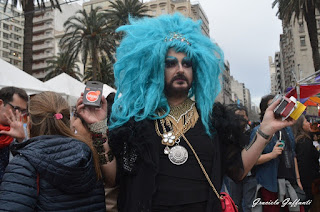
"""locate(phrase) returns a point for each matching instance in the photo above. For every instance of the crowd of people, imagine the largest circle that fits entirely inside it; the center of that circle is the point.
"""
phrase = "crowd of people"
(161, 143)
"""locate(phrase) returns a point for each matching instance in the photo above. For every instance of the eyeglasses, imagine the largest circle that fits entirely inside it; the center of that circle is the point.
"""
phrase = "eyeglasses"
(172, 62)
(24, 112)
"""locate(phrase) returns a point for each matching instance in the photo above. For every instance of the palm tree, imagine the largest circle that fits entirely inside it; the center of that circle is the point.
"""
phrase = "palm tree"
(62, 64)
(121, 9)
(89, 35)
(106, 73)
(28, 7)
(303, 9)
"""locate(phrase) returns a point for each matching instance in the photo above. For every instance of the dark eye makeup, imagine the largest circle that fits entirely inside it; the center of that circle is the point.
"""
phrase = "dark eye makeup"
(171, 62)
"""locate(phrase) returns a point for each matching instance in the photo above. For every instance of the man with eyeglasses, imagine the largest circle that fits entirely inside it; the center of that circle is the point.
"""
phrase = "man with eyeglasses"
(13, 112)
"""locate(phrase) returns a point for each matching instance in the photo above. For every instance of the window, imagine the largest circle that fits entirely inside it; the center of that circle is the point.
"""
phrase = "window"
(5, 54)
(5, 26)
(47, 14)
(14, 20)
(6, 36)
(302, 41)
(17, 29)
(163, 11)
(48, 32)
(301, 27)
(5, 45)
(16, 13)
(16, 46)
(16, 63)
(17, 37)
(8, 11)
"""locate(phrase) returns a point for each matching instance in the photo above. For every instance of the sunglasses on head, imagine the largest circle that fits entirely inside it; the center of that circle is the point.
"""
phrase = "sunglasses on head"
(172, 62)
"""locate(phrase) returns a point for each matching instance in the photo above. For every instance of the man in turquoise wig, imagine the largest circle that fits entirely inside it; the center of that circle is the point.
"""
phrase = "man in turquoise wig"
(164, 121)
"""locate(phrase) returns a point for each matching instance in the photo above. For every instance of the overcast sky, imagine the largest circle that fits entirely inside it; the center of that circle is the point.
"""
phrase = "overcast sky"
(248, 31)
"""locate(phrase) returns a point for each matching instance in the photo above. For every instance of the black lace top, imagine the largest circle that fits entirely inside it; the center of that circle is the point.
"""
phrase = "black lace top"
(144, 172)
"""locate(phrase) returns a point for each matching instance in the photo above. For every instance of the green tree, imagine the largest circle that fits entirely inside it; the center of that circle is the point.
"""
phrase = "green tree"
(28, 7)
(121, 9)
(89, 35)
(305, 9)
(63, 64)
(106, 73)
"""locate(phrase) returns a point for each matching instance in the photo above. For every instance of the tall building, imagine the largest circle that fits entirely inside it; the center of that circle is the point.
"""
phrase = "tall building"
(276, 75)
(11, 35)
(188, 9)
(225, 96)
(254, 114)
(104, 4)
(159, 7)
(247, 98)
(272, 71)
(240, 94)
(47, 30)
(296, 53)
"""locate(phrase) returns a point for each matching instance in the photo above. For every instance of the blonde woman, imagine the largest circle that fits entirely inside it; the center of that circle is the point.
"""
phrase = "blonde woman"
(54, 170)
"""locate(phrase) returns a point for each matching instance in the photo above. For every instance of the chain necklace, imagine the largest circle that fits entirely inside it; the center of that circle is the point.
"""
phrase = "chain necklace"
(180, 119)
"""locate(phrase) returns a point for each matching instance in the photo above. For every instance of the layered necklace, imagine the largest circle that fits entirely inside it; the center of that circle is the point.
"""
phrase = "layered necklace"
(180, 119)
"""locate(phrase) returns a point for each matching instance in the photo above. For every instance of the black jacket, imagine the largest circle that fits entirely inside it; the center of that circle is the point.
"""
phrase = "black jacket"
(65, 173)
(308, 163)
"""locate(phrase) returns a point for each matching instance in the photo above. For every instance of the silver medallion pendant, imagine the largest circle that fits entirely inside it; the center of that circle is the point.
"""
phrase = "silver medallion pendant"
(178, 155)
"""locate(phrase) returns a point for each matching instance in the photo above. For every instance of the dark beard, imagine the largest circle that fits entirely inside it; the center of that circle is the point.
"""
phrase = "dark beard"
(170, 90)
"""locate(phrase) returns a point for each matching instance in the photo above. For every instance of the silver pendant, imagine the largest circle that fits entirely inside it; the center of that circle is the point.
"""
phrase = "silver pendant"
(178, 155)
(166, 150)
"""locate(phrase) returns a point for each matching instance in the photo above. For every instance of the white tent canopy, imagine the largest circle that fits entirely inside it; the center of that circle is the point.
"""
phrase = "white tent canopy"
(107, 90)
(12, 76)
(64, 83)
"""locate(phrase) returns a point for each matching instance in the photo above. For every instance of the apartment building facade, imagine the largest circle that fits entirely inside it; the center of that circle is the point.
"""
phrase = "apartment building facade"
(225, 96)
(159, 7)
(295, 52)
(11, 35)
(188, 9)
(104, 4)
(240, 94)
(47, 30)
(272, 71)
(276, 75)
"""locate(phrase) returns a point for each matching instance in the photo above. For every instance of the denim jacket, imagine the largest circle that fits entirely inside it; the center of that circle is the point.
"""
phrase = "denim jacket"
(267, 173)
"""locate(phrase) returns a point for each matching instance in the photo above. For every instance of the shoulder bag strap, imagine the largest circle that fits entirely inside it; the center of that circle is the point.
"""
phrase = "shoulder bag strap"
(202, 167)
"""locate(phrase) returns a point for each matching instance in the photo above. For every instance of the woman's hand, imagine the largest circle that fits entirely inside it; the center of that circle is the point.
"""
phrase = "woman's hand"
(270, 124)
(299, 184)
(92, 114)
(276, 150)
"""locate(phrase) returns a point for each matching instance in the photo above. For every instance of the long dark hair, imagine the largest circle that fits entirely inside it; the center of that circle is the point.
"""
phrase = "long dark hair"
(42, 108)
(298, 131)
(264, 104)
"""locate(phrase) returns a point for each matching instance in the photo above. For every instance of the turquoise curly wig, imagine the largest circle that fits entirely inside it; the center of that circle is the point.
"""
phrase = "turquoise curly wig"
(139, 70)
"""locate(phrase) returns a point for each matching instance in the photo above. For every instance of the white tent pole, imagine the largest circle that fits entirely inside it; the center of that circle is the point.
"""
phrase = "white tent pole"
(310, 77)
